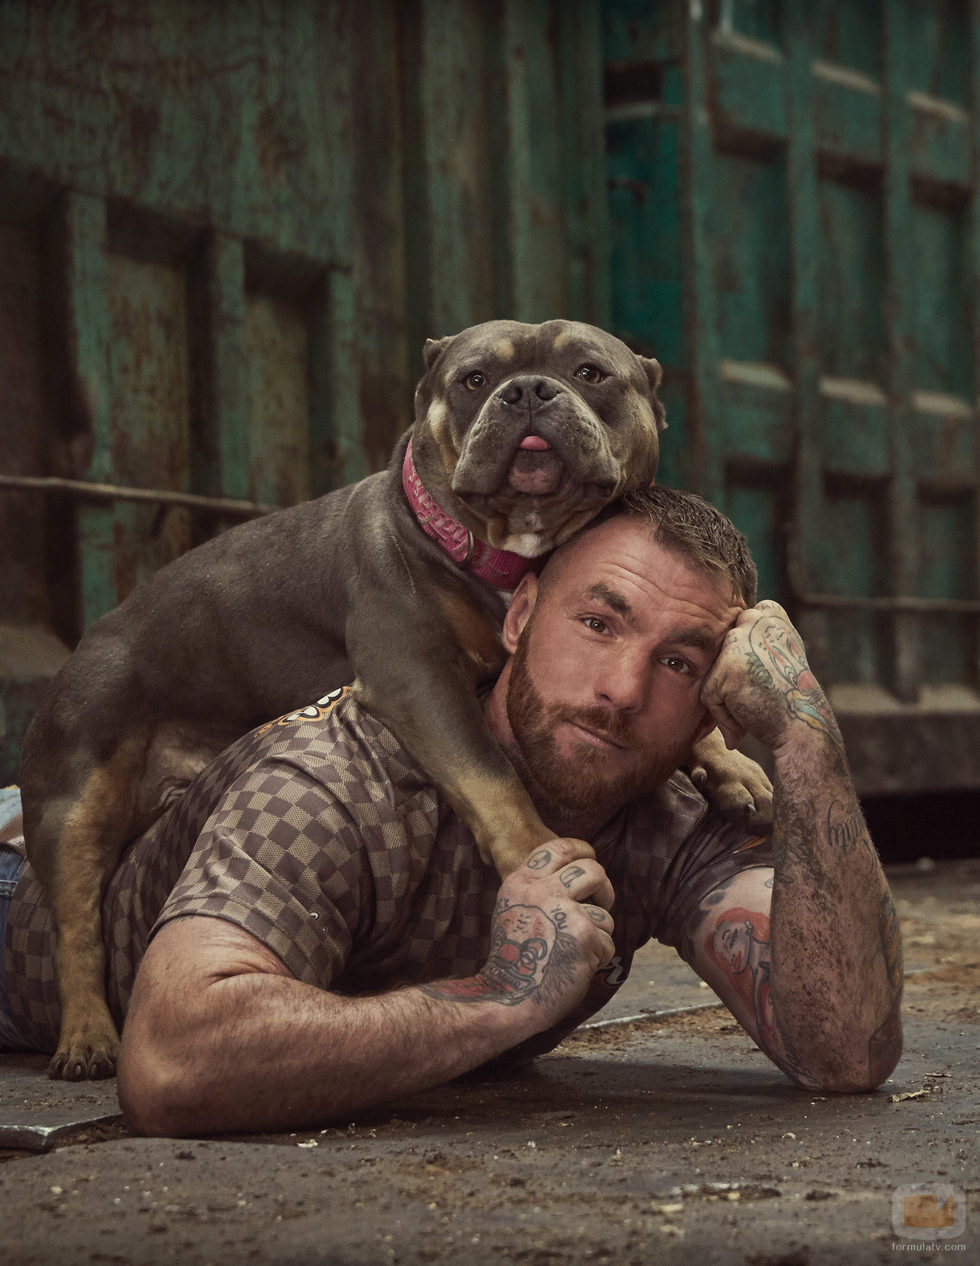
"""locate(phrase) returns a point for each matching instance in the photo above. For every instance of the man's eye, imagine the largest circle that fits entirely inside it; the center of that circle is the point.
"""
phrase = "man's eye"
(596, 624)
(676, 664)
(589, 373)
(475, 381)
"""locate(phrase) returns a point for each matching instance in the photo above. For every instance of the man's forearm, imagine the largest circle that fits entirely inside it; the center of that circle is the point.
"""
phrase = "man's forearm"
(836, 948)
(835, 963)
(220, 1037)
(264, 1052)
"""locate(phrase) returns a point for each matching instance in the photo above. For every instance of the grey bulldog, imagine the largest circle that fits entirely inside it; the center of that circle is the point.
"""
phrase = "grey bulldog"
(522, 434)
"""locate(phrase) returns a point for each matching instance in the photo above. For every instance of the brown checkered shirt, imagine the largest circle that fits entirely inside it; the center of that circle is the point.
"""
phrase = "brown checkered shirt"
(321, 837)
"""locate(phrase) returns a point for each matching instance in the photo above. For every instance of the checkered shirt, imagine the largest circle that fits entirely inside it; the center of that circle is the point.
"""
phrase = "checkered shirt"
(321, 837)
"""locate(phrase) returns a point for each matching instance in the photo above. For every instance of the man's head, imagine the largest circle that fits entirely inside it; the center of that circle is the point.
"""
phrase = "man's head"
(600, 700)
(686, 525)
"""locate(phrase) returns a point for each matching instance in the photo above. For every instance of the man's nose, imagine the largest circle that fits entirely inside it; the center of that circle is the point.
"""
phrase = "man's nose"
(623, 681)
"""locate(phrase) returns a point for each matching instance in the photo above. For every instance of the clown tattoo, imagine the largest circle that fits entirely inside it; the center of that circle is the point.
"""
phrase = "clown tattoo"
(530, 957)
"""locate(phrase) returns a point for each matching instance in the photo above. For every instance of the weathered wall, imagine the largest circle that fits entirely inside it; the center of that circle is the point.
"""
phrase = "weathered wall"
(227, 228)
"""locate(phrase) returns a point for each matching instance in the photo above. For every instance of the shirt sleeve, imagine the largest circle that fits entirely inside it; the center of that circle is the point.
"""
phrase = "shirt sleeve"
(282, 858)
(674, 850)
(715, 851)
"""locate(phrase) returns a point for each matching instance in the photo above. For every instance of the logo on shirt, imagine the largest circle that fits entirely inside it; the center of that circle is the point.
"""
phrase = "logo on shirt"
(314, 712)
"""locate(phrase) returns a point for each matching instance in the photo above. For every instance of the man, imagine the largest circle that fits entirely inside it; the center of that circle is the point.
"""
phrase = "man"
(334, 940)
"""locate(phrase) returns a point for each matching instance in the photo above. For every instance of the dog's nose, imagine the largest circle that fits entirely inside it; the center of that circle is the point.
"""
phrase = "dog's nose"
(529, 390)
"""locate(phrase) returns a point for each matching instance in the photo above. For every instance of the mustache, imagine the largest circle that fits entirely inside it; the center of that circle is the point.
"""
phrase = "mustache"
(611, 725)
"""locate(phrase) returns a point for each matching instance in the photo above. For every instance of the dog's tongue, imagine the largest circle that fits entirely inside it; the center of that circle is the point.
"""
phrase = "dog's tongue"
(536, 468)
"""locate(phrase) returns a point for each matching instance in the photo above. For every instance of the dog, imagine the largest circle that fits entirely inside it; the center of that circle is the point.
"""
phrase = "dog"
(522, 433)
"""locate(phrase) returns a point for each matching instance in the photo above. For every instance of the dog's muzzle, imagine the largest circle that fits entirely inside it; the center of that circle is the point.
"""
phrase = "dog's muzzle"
(534, 438)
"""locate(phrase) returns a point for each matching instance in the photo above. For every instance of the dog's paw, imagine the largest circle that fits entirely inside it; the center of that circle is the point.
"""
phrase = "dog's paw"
(85, 1059)
(737, 787)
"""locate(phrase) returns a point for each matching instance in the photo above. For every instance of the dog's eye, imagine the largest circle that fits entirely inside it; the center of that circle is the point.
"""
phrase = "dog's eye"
(475, 381)
(589, 373)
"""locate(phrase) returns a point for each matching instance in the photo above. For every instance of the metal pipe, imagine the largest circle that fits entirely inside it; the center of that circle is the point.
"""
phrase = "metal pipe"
(113, 492)
(906, 602)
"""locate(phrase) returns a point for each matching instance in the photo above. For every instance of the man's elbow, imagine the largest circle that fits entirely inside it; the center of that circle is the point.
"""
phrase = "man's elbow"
(849, 1072)
(155, 1095)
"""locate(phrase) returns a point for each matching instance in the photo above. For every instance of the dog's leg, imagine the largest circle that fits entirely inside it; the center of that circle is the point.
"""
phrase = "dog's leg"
(427, 694)
(493, 802)
(74, 846)
(473, 775)
(88, 1042)
(733, 782)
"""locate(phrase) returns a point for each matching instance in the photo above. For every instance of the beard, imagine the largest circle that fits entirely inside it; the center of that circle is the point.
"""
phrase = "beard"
(580, 786)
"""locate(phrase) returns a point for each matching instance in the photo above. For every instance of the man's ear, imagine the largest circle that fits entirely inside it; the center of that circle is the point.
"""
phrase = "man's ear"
(519, 611)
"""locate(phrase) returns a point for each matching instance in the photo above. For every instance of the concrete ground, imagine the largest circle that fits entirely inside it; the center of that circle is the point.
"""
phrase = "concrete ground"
(659, 1134)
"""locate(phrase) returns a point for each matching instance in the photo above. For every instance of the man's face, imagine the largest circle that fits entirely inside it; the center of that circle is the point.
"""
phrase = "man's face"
(602, 692)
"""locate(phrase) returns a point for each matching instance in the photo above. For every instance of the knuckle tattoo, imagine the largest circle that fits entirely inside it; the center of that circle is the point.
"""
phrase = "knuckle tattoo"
(569, 875)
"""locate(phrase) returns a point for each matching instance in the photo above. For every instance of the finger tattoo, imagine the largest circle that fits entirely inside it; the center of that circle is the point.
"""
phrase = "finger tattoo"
(570, 874)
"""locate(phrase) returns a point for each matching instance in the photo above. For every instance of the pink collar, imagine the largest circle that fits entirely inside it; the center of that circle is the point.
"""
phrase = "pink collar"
(498, 567)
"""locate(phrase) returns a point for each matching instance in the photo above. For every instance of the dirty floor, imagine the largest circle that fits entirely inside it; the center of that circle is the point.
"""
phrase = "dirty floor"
(658, 1135)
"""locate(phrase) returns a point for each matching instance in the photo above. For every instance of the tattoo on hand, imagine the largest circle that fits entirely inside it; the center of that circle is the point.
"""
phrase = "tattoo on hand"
(759, 675)
(779, 657)
(539, 859)
(531, 956)
(570, 874)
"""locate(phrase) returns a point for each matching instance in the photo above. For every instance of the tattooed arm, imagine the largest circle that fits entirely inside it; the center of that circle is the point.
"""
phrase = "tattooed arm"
(221, 1037)
(807, 956)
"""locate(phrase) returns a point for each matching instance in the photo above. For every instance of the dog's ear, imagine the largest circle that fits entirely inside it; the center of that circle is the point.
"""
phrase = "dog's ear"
(654, 372)
(434, 348)
(655, 375)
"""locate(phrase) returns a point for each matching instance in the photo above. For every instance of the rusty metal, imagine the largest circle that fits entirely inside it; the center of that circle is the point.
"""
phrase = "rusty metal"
(222, 246)
(82, 490)
(224, 243)
(907, 602)
(796, 234)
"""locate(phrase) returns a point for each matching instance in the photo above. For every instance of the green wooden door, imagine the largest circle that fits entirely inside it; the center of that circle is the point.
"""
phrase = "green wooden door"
(226, 230)
(175, 281)
(795, 233)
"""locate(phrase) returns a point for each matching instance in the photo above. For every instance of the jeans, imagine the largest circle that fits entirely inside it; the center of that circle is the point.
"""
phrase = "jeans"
(11, 867)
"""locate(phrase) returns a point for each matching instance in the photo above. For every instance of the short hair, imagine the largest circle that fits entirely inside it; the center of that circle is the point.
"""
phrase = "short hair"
(686, 524)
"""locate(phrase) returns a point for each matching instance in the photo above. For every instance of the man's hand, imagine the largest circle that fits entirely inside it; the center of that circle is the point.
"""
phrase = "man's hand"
(761, 684)
(551, 933)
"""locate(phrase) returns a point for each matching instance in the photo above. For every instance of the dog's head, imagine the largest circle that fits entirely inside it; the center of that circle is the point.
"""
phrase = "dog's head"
(524, 432)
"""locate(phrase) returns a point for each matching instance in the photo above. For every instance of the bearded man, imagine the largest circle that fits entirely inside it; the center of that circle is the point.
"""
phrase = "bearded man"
(310, 930)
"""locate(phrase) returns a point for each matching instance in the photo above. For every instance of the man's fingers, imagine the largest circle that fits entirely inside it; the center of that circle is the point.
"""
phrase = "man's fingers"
(731, 731)
(587, 879)
(770, 607)
(765, 608)
(547, 858)
(572, 862)
(601, 937)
